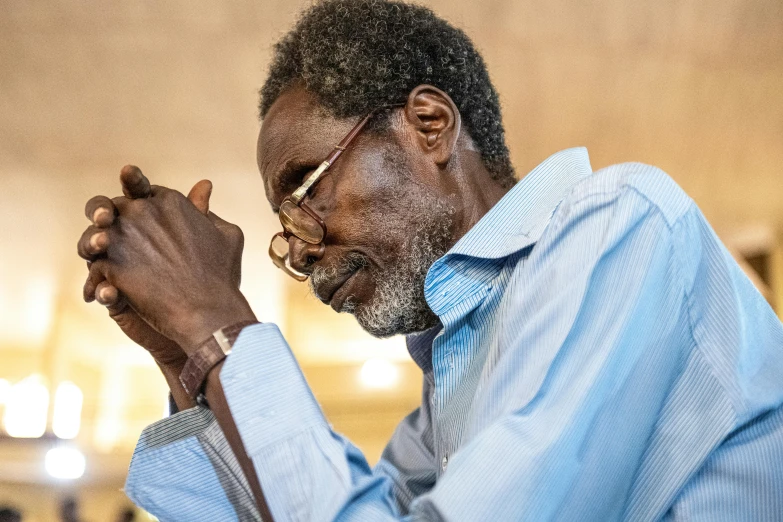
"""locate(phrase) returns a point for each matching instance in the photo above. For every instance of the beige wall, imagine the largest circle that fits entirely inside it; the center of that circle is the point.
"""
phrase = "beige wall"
(85, 87)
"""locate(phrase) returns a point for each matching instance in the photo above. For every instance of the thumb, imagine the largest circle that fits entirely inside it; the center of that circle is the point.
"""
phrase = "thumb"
(199, 195)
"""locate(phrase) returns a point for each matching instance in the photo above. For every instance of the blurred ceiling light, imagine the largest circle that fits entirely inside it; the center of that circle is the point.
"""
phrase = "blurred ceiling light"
(5, 390)
(379, 373)
(27, 408)
(65, 463)
(67, 410)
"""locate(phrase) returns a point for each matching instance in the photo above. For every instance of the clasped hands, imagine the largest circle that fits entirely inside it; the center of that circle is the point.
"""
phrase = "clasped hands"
(166, 268)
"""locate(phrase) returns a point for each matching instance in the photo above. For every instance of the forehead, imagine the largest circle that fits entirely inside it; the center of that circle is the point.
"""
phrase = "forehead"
(296, 130)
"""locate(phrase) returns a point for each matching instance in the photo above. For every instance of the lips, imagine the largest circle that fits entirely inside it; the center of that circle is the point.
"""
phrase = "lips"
(342, 292)
(325, 292)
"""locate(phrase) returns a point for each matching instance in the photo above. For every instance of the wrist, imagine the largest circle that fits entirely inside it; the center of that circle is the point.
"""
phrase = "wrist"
(201, 325)
(178, 393)
(210, 353)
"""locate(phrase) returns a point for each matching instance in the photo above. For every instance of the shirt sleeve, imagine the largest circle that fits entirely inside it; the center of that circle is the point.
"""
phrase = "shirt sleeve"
(741, 480)
(306, 470)
(183, 469)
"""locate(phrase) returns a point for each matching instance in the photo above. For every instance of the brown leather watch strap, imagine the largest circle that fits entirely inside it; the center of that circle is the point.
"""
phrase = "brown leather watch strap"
(207, 355)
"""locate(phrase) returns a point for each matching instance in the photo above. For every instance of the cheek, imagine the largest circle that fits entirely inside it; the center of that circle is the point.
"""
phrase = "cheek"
(369, 205)
(363, 210)
(372, 222)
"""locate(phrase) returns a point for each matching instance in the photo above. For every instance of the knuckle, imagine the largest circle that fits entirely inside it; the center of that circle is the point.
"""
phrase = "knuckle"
(120, 203)
(169, 196)
(236, 233)
(136, 207)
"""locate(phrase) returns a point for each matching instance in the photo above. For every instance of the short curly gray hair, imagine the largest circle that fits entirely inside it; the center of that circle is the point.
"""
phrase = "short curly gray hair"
(358, 55)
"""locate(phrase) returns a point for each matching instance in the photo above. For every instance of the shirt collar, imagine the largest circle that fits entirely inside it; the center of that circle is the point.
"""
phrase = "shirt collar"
(454, 282)
(420, 347)
(520, 217)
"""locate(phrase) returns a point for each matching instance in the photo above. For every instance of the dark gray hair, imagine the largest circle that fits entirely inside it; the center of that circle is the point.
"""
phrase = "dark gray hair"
(358, 55)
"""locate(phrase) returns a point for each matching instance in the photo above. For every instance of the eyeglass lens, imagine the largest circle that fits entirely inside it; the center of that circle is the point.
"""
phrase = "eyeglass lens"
(300, 223)
(278, 251)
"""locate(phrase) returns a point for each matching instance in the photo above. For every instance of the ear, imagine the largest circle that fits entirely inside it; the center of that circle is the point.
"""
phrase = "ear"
(436, 122)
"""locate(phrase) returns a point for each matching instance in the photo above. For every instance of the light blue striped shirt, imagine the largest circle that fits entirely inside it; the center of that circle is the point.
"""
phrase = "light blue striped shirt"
(601, 357)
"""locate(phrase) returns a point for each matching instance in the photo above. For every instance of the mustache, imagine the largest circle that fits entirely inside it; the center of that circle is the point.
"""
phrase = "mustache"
(347, 264)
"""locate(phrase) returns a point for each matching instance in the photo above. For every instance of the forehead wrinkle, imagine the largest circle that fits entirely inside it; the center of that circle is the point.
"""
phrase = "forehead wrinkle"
(297, 142)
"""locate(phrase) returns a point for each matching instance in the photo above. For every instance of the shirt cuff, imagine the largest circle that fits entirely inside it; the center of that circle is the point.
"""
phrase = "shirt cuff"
(269, 398)
(181, 425)
(173, 476)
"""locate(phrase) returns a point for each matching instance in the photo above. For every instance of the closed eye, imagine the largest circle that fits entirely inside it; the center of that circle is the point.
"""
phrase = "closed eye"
(292, 176)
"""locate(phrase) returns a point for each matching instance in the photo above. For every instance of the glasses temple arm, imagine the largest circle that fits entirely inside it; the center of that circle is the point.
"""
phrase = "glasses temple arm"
(299, 193)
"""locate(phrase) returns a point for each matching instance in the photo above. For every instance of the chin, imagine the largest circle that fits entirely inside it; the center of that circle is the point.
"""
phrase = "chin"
(382, 320)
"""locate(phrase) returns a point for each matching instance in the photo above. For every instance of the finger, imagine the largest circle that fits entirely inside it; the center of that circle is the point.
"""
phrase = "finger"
(106, 294)
(94, 277)
(119, 306)
(199, 195)
(93, 242)
(98, 288)
(97, 274)
(135, 185)
(110, 296)
(101, 211)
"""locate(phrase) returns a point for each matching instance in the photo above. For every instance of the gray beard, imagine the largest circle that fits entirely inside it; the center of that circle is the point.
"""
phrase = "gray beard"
(398, 305)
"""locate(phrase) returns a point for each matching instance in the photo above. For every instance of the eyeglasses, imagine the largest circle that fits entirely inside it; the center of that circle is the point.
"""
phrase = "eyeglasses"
(298, 219)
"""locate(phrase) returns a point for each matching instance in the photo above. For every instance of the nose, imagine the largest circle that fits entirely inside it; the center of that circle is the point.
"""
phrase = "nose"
(302, 255)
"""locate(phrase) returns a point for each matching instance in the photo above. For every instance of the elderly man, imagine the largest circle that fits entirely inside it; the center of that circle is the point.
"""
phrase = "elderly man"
(589, 349)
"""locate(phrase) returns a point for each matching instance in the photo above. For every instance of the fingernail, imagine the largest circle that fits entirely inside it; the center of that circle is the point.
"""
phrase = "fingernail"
(100, 214)
(98, 241)
(103, 295)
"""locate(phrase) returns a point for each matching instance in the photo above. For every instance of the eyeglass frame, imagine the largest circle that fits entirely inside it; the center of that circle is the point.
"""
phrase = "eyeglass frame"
(298, 195)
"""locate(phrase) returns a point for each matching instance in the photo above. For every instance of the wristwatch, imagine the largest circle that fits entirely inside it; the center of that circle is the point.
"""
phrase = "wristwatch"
(207, 355)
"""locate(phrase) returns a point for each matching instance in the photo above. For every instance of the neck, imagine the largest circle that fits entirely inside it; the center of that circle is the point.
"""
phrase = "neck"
(476, 192)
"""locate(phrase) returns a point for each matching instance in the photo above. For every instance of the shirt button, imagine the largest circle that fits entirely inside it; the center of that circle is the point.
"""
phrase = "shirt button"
(444, 463)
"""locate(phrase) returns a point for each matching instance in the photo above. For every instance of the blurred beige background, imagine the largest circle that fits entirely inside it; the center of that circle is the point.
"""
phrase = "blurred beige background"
(694, 87)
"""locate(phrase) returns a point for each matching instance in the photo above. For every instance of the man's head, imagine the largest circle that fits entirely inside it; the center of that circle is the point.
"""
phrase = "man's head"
(431, 161)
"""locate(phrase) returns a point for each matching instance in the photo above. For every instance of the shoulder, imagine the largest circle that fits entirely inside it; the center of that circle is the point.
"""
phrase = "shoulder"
(630, 203)
(631, 184)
